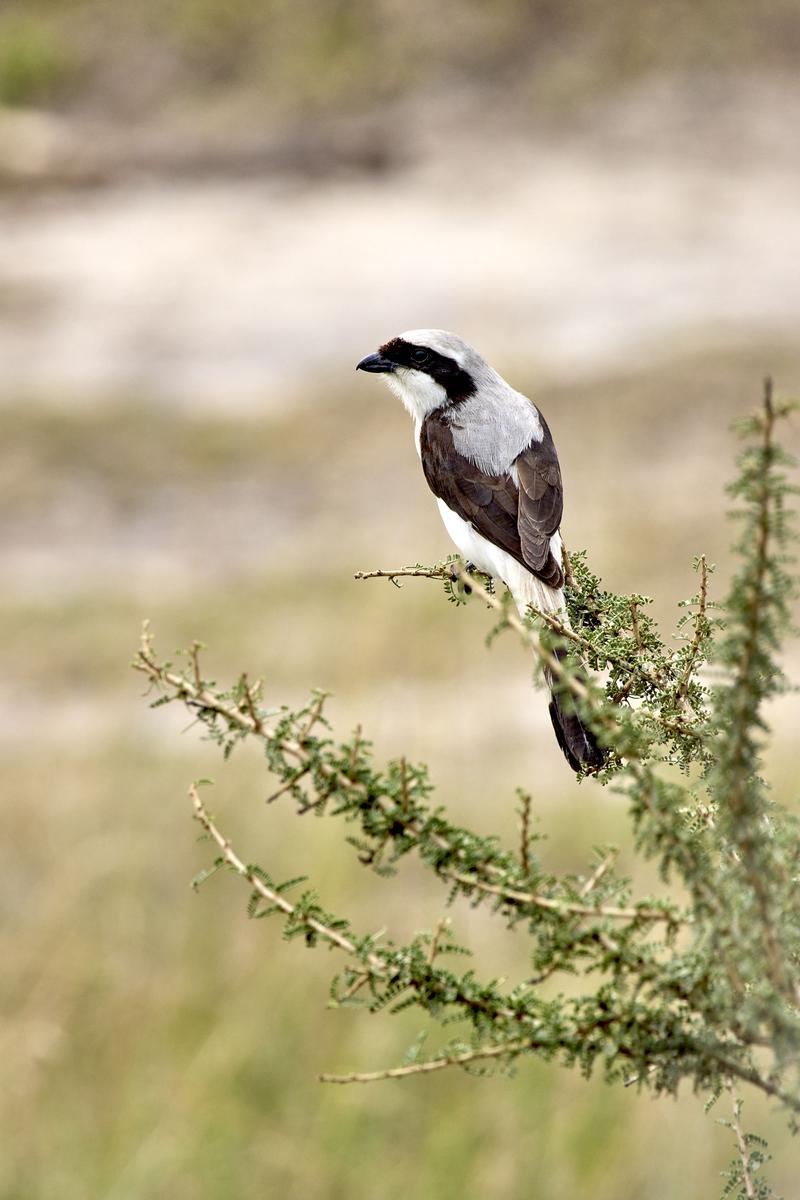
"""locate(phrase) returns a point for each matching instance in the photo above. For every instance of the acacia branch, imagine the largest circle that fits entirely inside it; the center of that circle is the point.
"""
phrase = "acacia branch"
(456, 571)
(415, 572)
(747, 691)
(377, 967)
(434, 1064)
(698, 633)
(600, 714)
(741, 1143)
(198, 696)
(269, 894)
(566, 907)
(525, 834)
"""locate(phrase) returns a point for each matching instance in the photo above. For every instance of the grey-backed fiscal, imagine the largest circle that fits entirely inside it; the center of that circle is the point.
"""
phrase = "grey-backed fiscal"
(490, 461)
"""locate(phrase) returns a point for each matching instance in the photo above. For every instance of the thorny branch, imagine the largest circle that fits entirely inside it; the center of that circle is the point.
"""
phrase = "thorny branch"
(267, 893)
(525, 833)
(376, 965)
(715, 1001)
(199, 697)
(434, 1064)
(700, 631)
(377, 968)
(741, 1143)
(570, 911)
(453, 569)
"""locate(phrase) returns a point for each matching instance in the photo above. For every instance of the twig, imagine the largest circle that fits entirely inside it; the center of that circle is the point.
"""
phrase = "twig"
(519, 1047)
(656, 679)
(566, 566)
(557, 668)
(268, 893)
(355, 986)
(546, 656)
(406, 799)
(525, 834)
(288, 785)
(637, 636)
(768, 405)
(314, 715)
(741, 1143)
(249, 702)
(377, 969)
(568, 907)
(355, 749)
(558, 963)
(435, 1064)
(194, 655)
(598, 873)
(417, 572)
(441, 925)
(754, 620)
(697, 637)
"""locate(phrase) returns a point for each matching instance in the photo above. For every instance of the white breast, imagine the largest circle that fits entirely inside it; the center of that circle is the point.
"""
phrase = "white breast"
(525, 587)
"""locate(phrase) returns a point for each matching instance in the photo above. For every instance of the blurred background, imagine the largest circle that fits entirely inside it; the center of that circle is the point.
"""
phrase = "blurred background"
(211, 210)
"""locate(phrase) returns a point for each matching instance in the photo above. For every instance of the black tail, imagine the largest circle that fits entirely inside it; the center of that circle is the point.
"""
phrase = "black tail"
(575, 739)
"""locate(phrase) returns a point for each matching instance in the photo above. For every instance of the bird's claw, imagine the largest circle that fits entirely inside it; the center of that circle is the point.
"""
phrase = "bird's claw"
(457, 576)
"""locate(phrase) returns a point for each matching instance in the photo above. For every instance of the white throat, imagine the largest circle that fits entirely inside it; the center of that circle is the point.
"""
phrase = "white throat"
(420, 394)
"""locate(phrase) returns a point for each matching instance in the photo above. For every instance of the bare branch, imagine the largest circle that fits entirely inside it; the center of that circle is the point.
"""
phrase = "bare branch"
(435, 1064)
(415, 572)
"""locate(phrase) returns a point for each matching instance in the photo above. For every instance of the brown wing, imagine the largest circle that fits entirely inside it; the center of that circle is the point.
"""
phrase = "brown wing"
(541, 503)
(518, 520)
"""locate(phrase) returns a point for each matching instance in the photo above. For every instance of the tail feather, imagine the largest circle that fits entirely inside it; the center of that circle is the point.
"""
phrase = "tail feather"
(578, 743)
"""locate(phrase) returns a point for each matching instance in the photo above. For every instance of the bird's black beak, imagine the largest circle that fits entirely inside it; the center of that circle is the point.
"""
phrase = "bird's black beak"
(376, 363)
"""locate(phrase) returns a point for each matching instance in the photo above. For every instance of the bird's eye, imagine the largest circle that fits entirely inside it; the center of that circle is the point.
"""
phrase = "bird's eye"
(420, 356)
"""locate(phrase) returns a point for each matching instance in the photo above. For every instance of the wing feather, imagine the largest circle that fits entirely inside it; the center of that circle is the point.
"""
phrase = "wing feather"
(519, 519)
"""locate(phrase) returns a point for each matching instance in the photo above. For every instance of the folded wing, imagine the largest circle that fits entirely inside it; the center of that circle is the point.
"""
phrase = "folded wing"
(519, 519)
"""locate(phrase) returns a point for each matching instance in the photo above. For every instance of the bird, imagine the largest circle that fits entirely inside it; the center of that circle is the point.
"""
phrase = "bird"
(489, 458)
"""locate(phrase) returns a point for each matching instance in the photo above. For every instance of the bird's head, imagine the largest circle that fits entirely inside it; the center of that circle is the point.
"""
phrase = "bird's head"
(428, 369)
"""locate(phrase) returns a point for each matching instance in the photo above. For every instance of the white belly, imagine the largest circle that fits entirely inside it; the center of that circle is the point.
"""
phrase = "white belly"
(523, 585)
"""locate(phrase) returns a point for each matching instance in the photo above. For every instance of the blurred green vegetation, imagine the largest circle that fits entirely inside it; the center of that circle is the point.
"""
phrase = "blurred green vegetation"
(156, 1042)
(34, 66)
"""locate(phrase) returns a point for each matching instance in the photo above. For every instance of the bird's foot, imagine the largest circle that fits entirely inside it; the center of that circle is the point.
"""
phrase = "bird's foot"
(470, 569)
(458, 577)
